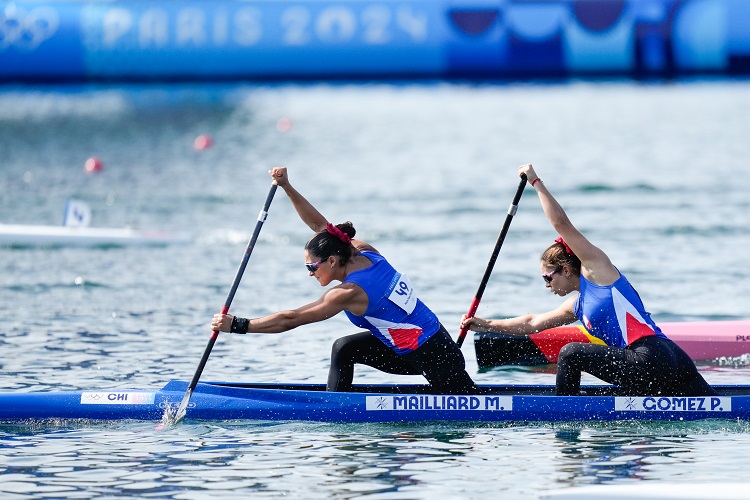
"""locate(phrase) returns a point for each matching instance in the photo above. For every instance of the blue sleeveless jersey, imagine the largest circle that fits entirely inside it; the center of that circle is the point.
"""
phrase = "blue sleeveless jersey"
(394, 313)
(614, 313)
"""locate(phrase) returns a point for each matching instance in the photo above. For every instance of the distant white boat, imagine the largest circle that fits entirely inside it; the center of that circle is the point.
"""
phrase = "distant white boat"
(32, 235)
(75, 231)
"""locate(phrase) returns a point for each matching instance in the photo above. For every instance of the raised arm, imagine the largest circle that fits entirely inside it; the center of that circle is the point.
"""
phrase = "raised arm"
(595, 264)
(308, 213)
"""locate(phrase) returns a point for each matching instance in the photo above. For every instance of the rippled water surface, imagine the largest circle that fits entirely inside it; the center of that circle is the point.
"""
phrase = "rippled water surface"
(655, 174)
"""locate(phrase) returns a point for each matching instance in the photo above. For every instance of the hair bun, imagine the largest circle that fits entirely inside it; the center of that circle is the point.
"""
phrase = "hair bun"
(561, 241)
(340, 234)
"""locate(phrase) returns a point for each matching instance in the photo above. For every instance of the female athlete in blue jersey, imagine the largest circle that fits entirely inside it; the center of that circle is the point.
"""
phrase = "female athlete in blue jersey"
(403, 335)
(636, 355)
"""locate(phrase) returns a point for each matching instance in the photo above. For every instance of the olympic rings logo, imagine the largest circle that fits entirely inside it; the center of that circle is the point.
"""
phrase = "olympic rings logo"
(27, 30)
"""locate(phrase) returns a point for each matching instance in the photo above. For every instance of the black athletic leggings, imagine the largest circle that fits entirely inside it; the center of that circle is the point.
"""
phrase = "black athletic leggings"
(439, 359)
(650, 366)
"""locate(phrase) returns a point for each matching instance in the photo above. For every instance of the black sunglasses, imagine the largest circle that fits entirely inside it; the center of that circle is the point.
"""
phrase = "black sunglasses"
(548, 276)
(313, 266)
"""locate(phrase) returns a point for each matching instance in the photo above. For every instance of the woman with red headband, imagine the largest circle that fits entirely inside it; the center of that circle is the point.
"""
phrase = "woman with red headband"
(403, 335)
(636, 355)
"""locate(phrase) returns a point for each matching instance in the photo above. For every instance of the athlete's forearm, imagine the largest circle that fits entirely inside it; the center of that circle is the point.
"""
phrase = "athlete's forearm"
(279, 322)
(306, 211)
(521, 325)
(552, 209)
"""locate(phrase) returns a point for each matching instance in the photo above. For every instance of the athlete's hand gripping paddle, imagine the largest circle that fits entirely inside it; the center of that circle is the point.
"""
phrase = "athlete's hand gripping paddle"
(511, 212)
(180, 414)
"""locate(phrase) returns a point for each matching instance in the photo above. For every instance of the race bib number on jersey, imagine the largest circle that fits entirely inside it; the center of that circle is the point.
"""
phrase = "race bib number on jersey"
(402, 293)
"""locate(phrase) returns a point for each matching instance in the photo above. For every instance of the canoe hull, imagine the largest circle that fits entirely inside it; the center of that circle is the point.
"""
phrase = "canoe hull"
(225, 401)
(701, 340)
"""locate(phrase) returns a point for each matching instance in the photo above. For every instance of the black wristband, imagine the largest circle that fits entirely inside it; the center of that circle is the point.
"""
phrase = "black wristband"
(239, 325)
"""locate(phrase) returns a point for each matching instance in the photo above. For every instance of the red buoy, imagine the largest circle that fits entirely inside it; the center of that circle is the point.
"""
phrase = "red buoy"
(284, 124)
(202, 142)
(93, 164)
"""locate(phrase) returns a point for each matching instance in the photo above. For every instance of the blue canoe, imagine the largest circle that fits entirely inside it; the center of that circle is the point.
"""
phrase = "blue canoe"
(371, 403)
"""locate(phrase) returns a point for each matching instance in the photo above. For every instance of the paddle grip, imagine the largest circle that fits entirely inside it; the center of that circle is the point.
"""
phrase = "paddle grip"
(224, 310)
(470, 314)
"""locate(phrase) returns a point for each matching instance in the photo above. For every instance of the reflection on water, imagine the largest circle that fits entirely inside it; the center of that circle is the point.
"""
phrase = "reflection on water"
(89, 460)
(641, 451)
(603, 459)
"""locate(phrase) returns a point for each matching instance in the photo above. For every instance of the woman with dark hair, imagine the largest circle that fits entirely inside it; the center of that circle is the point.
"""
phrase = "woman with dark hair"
(635, 354)
(403, 335)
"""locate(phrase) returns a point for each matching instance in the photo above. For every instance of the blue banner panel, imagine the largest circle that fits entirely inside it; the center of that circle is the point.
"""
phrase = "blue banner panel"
(261, 39)
(285, 39)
